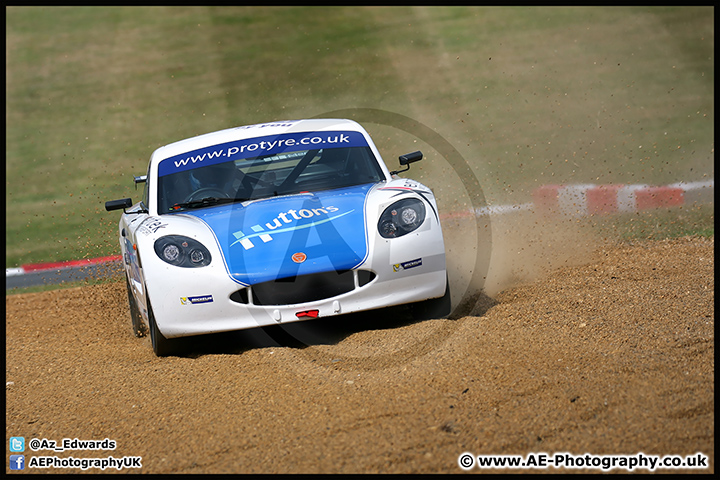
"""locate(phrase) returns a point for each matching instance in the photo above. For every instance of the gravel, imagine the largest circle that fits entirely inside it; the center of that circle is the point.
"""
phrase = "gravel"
(612, 357)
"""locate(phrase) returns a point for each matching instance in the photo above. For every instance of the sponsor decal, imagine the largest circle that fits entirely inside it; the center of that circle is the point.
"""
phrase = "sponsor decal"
(407, 186)
(276, 226)
(286, 123)
(196, 300)
(407, 265)
(151, 225)
(258, 147)
(299, 257)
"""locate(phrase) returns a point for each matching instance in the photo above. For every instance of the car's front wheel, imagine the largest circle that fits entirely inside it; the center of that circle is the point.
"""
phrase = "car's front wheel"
(139, 327)
(161, 346)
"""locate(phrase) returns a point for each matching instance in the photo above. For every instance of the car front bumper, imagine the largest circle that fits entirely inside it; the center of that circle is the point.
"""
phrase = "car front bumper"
(190, 303)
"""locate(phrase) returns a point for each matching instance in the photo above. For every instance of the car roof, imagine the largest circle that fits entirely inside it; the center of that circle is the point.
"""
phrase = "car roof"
(252, 131)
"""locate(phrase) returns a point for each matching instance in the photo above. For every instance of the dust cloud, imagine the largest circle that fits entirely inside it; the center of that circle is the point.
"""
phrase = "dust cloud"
(527, 246)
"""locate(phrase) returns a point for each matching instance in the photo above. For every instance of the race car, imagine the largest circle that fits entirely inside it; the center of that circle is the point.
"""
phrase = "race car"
(279, 222)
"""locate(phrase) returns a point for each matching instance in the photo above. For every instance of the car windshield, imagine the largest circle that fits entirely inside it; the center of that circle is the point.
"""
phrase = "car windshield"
(266, 176)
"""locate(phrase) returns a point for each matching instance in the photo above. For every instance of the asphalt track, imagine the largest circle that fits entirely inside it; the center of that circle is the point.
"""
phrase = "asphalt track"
(573, 200)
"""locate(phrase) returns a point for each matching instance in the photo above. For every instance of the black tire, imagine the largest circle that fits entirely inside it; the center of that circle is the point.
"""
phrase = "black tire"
(162, 346)
(138, 325)
(434, 307)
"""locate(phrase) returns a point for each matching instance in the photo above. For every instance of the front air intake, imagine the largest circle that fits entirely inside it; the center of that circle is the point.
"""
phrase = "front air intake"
(303, 288)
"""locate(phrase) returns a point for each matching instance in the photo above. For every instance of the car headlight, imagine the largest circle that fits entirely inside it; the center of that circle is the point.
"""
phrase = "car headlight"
(401, 217)
(182, 251)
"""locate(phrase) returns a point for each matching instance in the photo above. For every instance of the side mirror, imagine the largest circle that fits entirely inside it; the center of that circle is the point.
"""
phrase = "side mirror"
(407, 159)
(139, 179)
(410, 157)
(118, 204)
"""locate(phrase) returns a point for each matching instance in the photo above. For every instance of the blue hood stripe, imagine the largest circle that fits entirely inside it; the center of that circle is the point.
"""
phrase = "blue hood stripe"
(329, 227)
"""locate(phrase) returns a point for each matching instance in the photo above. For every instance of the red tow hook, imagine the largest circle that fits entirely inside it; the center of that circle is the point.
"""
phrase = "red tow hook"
(308, 313)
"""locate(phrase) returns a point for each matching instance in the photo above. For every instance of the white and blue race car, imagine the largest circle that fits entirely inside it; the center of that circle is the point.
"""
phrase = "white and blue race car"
(273, 223)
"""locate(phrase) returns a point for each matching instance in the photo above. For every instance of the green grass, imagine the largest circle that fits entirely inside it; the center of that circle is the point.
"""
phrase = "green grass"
(696, 220)
(528, 96)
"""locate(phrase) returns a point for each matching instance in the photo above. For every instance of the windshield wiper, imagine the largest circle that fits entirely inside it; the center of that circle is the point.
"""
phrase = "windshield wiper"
(205, 202)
